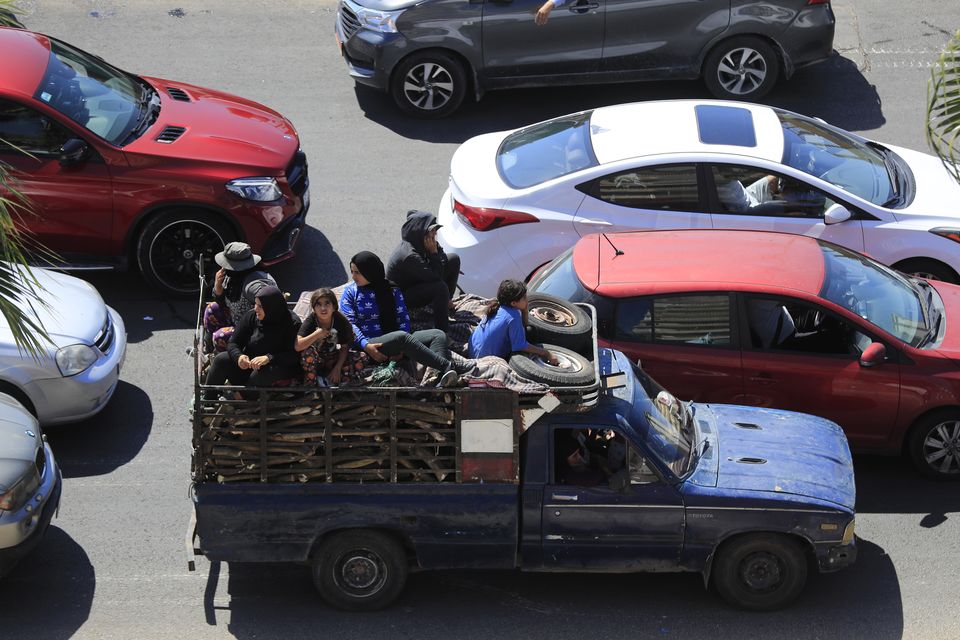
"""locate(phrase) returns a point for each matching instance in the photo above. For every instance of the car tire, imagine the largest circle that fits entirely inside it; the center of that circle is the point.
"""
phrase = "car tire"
(929, 269)
(934, 445)
(429, 84)
(360, 570)
(559, 322)
(744, 68)
(760, 572)
(573, 369)
(171, 244)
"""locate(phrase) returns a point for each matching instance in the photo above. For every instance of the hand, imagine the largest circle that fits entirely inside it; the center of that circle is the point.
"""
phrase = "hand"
(334, 377)
(218, 281)
(430, 242)
(552, 359)
(543, 13)
(373, 350)
(243, 361)
(259, 361)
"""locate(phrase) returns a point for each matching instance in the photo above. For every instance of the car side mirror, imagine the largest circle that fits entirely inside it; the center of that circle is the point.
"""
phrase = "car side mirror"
(73, 150)
(836, 214)
(873, 355)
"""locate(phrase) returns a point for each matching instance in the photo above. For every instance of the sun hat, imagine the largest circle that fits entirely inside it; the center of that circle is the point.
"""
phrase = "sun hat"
(237, 256)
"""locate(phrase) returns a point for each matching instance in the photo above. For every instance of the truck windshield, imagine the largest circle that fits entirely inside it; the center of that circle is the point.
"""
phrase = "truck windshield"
(664, 423)
(546, 151)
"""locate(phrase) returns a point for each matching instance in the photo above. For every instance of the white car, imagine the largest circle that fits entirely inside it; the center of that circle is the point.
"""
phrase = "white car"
(517, 199)
(78, 374)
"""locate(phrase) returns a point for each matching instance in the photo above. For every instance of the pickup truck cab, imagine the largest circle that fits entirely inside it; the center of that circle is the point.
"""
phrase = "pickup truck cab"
(637, 481)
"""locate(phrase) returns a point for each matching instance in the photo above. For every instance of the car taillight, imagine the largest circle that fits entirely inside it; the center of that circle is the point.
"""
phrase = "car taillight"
(484, 219)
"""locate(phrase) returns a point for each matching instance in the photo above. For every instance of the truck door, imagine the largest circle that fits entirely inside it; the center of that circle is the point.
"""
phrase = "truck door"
(604, 509)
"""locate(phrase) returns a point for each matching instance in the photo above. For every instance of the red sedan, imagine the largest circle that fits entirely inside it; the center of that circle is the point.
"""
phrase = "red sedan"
(784, 321)
(124, 169)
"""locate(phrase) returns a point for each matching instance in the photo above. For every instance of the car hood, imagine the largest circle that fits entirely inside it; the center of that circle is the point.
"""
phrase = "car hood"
(473, 170)
(949, 344)
(220, 128)
(937, 192)
(781, 452)
(18, 449)
(74, 313)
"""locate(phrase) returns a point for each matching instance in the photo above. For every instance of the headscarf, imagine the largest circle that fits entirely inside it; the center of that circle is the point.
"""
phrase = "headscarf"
(371, 267)
(276, 316)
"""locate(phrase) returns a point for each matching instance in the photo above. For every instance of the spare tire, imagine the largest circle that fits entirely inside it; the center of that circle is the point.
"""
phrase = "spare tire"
(557, 321)
(573, 370)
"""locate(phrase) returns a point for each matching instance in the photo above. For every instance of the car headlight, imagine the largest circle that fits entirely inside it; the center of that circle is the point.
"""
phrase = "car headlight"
(256, 189)
(75, 359)
(382, 21)
(15, 497)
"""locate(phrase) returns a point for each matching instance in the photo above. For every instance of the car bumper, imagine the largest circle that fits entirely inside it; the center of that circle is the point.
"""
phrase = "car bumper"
(70, 399)
(836, 557)
(370, 55)
(809, 39)
(21, 531)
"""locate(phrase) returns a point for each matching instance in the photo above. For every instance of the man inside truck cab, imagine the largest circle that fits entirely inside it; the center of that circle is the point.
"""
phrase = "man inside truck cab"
(588, 457)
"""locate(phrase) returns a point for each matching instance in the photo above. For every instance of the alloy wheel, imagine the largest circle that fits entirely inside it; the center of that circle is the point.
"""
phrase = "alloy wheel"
(941, 448)
(177, 251)
(428, 86)
(741, 71)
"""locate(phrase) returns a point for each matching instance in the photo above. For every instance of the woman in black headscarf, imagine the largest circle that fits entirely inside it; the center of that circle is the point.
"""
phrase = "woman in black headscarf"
(262, 348)
(381, 323)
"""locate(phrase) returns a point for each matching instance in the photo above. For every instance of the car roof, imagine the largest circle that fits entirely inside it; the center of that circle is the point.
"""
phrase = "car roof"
(32, 54)
(637, 129)
(688, 260)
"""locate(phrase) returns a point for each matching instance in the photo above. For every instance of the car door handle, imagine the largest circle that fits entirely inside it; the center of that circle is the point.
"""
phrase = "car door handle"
(595, 223)
(563, 497)
(761, 378)
(584, 7)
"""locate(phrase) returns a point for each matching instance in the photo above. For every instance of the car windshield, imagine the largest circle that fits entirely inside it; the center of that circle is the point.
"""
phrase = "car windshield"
(104, 100)
(546, 151)
(879, 295)
(664, 423)
(837, 158)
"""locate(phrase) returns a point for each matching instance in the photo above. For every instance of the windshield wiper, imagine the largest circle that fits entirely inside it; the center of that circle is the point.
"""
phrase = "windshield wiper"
(149, 105)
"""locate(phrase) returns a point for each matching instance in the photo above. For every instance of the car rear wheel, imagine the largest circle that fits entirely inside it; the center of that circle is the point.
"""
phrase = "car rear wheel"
(928, 269)
(760, 572)
(934, 446)
(741, 68)
(360, 570)
(431, 84)
(174, 245)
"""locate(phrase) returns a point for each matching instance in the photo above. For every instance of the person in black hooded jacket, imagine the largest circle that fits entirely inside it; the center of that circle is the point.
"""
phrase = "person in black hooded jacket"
(262, 348)
(425, 274)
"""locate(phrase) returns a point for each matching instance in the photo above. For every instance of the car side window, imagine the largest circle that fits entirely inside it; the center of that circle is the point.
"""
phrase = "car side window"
(24, 130)
(665, 188)
(751, 191)
(696, 319)
(788, 325)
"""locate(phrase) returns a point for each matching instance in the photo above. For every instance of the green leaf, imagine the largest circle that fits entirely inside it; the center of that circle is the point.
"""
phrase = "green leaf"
(943, 107)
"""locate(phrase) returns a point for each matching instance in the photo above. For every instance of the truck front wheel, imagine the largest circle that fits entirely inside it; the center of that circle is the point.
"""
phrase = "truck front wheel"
(760, 572)
(360, 570)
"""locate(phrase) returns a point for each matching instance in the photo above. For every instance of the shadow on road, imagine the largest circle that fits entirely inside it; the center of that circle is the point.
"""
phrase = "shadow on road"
(834, 90)
(317, 265)
(50, 592)
(108, 440)
(892, 485)
(463, 604)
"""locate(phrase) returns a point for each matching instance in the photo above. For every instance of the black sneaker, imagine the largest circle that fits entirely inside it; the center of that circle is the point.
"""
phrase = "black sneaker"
(448, 379)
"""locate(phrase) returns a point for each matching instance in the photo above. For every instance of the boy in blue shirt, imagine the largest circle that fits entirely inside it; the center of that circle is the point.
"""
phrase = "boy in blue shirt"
(503, 331)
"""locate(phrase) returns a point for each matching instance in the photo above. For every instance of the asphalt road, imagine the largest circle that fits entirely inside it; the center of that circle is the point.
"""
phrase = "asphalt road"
(113, 564)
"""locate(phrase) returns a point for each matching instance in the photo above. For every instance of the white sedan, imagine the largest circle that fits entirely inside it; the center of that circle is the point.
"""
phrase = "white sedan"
(517, 199)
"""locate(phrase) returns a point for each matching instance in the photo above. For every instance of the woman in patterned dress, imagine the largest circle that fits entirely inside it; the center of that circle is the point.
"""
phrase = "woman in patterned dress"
(324, 344)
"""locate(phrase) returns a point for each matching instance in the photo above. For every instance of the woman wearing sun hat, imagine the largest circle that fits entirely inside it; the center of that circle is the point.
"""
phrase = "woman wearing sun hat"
(235, 286)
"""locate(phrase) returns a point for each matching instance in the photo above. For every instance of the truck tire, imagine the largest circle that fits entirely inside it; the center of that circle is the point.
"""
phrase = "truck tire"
(760, 572)
(573, 369)
(360, 570)
(559, 322)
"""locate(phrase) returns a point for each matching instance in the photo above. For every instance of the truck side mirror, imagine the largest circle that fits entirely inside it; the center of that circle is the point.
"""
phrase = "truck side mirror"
(73, 151)
(873, 355)
(836, 214)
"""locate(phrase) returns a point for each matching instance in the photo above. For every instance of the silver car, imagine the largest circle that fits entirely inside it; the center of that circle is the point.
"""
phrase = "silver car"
(78, 374)
(30, 483)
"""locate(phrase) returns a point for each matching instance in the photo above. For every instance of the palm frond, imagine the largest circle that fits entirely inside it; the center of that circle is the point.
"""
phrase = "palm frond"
(8, 14)
(943, 107)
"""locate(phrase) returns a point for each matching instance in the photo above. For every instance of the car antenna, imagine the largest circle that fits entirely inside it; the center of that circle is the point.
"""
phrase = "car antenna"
(616, 252)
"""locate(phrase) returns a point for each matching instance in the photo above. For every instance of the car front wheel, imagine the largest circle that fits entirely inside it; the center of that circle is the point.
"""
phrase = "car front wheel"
(173, 247)
(742, 68)
(928, 269)
(934, 446)
(431, 84)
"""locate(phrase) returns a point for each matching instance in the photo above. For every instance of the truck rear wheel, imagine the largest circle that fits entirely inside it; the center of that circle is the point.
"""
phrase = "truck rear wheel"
(571, 370)
(559, 322)
(760, 572)
(360, 570)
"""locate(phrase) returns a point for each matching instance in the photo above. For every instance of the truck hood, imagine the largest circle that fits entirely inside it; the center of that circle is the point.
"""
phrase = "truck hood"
(780, 452)
(937, 193)
(220, 128)
(75, 312)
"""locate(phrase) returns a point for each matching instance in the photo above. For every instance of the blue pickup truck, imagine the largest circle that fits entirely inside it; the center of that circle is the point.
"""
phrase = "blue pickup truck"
(366, 485)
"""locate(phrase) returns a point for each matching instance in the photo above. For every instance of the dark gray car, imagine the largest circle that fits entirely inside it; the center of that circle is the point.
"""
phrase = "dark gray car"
(429, 54)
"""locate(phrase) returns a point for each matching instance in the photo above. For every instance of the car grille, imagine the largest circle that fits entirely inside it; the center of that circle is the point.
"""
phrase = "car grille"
(349, 23)
(104, 339)
(297, 173)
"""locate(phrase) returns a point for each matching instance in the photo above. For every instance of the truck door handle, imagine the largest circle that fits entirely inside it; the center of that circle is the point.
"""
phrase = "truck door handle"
(762, 378)
(563, 497)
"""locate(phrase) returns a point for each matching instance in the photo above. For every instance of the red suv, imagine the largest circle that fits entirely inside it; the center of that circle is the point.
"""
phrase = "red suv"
(782, 321)
(124, 169)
